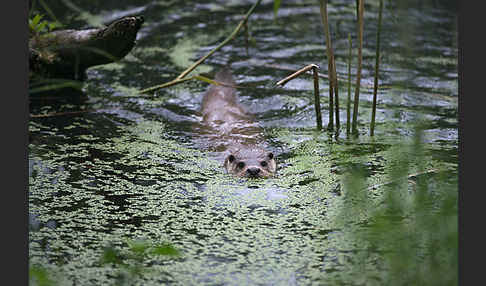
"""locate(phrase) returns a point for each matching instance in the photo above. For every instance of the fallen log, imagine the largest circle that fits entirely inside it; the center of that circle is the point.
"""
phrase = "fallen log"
(67, 54)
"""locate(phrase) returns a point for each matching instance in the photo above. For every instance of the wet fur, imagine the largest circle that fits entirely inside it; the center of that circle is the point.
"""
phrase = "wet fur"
(235, 131)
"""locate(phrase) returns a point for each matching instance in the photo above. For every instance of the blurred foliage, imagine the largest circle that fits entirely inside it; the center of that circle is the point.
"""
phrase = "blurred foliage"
(38, 275)
(38, 26)
(131, 263)
(415, 227)
(276, 6)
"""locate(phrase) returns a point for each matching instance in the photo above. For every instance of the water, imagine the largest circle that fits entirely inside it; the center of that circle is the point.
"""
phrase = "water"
(130, 167)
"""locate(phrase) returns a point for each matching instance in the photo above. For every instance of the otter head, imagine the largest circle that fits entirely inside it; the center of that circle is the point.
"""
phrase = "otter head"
(251, 163)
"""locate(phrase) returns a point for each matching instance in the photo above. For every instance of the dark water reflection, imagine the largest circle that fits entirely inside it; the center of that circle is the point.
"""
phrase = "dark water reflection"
(132, 167)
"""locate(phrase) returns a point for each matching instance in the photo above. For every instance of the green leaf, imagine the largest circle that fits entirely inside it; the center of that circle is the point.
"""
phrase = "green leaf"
(54, 25)
(36, 20)
(111, 255)
(138, 246)
(40, 275)
(165, 249)
(41, 26)
(276, 6)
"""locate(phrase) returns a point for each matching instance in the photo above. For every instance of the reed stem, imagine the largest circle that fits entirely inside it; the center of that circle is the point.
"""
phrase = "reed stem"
(330, 58)
(330, 126)
(348, 105)
(227, 40)
(296, 74)
(167, 84)
(325, 76)
(178, 79)
(317, 101)
(247, 36)
(377, 62)
(336, 96)
(358, 73)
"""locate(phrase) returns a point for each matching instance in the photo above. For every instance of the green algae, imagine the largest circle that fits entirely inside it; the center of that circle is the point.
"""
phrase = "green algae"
(144, 185)
(124, 182)
(183, 53)
(151, 51)
(233, 221)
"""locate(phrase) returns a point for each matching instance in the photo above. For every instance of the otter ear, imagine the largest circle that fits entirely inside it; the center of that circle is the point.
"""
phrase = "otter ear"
(231, 158)
(270, 155)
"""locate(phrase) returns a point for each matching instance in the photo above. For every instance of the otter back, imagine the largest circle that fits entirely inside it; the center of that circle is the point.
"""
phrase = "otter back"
(232, 129)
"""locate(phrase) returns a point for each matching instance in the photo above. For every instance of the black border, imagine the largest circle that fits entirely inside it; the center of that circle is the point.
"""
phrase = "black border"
(471, 93)
(14, 116)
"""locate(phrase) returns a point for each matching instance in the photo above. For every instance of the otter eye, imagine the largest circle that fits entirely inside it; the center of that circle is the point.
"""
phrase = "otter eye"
(263, 163)
(241, 165)
(270, 155)
(231, 158)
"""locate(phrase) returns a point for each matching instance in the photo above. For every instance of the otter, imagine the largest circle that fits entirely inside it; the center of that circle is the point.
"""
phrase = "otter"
(233, 130)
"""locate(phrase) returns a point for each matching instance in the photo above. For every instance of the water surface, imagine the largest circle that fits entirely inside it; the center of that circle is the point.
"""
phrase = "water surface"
(132, 168)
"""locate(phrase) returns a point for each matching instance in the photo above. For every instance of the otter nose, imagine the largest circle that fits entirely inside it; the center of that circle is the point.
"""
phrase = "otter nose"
(253, 171)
